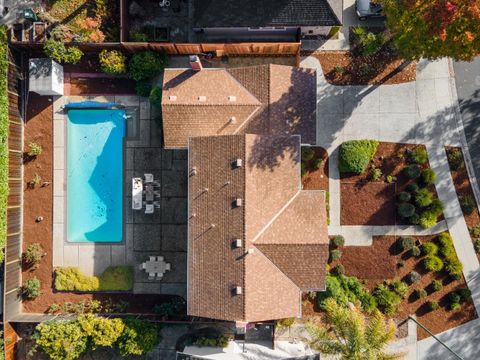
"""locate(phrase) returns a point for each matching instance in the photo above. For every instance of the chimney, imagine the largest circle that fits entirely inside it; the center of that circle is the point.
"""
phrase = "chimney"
(195, 63)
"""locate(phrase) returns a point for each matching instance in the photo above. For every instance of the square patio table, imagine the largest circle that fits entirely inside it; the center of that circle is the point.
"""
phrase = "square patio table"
(155, 267)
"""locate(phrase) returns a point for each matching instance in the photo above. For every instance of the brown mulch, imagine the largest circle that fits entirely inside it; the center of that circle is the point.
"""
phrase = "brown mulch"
(316, 179)
(39, 202)
(344, 68)
(463, 187)
(363, 202)
(378, 262)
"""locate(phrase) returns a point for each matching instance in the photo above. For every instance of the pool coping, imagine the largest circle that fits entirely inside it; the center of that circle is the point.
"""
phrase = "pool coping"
(91, 258)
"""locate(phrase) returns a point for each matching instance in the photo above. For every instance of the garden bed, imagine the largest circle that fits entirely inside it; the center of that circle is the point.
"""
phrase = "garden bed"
(380, 262)
(315, 170)
(367, 201)
(465, 194)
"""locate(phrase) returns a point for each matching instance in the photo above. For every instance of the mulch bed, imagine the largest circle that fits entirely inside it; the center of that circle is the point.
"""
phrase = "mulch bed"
(344, 68)
(378, 262)
(363, 202)
(463, 187)
(316, 178)
(39, 202)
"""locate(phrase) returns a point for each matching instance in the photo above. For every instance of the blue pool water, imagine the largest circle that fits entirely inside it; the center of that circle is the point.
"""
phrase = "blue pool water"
(95, 175)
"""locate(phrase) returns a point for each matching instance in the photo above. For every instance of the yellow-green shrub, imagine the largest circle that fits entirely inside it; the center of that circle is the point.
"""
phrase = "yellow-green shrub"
(114, 278)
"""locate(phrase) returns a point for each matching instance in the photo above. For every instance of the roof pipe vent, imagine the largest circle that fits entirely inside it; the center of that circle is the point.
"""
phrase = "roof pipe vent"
(233, 120)
(232, 98)
(202, 98)
(238, 163)
(237, 290)
(237, 243)
(238, 202)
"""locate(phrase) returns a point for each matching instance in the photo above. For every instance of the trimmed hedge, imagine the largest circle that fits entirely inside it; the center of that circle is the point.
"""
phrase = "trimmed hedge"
(114, 278)
(3, 139)
(356, 154)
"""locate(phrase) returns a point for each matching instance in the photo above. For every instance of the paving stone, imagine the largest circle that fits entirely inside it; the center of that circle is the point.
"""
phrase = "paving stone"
(147, 237)
(139, 217)
(170, 335)
(59, 209)
(174, 210)
(145, 109)
(174, 238)
(178, 272)
(128, 214)
(70, 255)
(118, 255)
(179, 289)
(148, 158)
(129, 159)
(180, 154)
(167, 159)
(146, 288)
(174, 183)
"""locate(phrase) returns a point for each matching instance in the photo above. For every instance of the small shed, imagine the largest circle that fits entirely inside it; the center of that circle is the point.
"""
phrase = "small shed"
(45, 77)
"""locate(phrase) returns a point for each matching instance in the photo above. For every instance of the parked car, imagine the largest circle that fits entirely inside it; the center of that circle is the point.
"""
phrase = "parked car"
(368, 9)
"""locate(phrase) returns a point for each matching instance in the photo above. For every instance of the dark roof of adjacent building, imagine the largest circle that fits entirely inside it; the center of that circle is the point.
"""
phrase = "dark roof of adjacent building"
(265, 99)
(263, 13)
(283, 226)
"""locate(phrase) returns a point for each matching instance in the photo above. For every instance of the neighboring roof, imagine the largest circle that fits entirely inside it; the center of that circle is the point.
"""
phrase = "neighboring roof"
(263, 13)
(284, 225)
(268, 99)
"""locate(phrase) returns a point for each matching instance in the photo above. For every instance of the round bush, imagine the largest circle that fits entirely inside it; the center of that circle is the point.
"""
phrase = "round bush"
(476, 245)
(406, 210)
(387, 300)
(455, 159)
(420, 293)
(375, 175)
(405, 243)
(413, 277)
(455, 306)
(415, 251)
(436, 285)
(335, 255)
(401, 288)
(412, 171)
(464, 294)
(338, 270)
(427, 220)
(423, 197)
(412, 188)
(429, 248)
(436, 207)
(31, 288)
(453, 297)
(428, 176)
(432, 305)
(419, 156)
(404, 196)
(468, 204)
(454, 268)
(433, 263)
(337, 241)
(112, 62)
(60, 53)
(414, 219)
(146, 65)
(355, 155)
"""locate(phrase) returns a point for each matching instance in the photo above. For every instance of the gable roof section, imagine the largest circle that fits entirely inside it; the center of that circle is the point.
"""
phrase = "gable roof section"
(273, 275)
(263, 13)
(271, 99)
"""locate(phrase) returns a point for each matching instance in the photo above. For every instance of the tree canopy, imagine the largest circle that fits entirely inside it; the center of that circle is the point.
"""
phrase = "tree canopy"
(435, 28)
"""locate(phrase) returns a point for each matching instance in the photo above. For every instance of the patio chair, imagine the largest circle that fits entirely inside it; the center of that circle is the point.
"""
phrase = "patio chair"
(152, 258)
(142, 266)
(148, 178)
(156, 204)
(167, 266)
(151, 276)
(156, 183)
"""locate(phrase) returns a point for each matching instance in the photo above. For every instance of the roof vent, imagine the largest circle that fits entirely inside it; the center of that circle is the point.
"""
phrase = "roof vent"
(212, 226)
(237, 243)
(232, 98)
(202, 98)
(238, 202)
(250, 251)
(238, 163)
(237, 290)
(233, 120)
(194, 171)
(172, 98)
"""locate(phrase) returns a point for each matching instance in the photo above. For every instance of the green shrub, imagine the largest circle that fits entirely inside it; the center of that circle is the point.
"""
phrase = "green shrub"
(146, 65)
(375, 174)
(57, 51)
(455, 306)
(414, 219)
(415, 251)
(455, 159)
(433, 263)
(335, 254)
(476, 245)
(36, 180)
(338, 270)
(464, 294)
(404, 196)
(454, 268)
(101, 331)
(428, 176)
(405, 210)
(138, 337)
(143, 88)
(427, 219)
(446, 246)
(412, 188)
(387, 300)
(419, 155)
(34, 149)
(405, 243)
(169, 308)
(420, 293)
(468, 204)
(432, 305)
(413, 277)
(31, 288)
(401, 288)
(436, 285)
(114, 278)
(156, 96)
(368, 43)
(436, 207)
(307, 153)
(389, 179)
(220, 341)
(337, 241)
(286, 323)
(356, 154)
(453, 297)
(429, 248)
(33, 255)
(423, 197)
(475, 231)
(112, 62)
(412, 171)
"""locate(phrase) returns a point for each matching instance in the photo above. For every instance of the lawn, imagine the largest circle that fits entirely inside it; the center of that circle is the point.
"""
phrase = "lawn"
(3, 139)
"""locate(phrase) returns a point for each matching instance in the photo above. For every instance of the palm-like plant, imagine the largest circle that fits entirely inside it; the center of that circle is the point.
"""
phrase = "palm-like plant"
(351, 336)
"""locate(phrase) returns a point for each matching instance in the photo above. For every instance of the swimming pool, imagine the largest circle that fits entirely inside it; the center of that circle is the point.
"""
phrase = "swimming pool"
(95, 175)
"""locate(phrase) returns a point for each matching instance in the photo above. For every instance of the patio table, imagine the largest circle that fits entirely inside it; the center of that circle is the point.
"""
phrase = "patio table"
(137, 190)
(149, 192)
(155, 266)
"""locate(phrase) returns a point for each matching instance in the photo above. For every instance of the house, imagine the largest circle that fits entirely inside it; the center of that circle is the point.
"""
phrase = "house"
(264, 20)
(265, 99)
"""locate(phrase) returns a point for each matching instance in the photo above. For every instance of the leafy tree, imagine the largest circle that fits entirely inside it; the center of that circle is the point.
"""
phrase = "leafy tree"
(102, 331)
(138, 337)
(435, 28)
(60, 53)
(352, 337)
(146, 65)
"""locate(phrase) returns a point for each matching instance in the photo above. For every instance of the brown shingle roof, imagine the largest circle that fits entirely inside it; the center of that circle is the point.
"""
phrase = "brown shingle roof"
(270, 99)
(268, 182)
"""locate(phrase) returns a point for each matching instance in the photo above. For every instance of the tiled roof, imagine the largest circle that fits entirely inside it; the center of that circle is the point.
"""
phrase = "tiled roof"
(262, 13)
(282, 225)
(269, 99)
